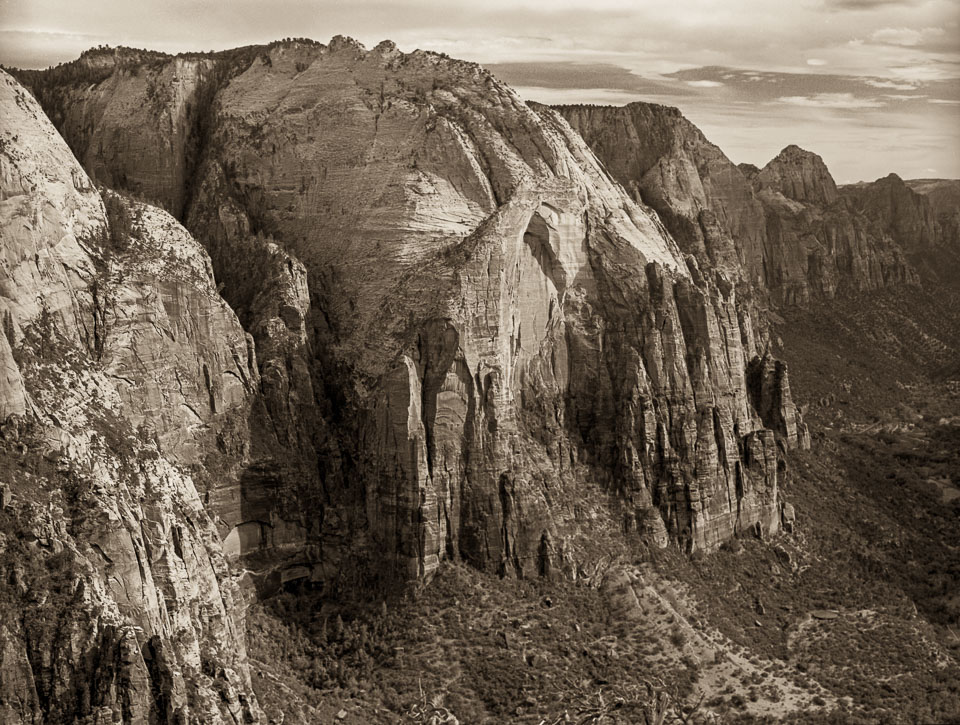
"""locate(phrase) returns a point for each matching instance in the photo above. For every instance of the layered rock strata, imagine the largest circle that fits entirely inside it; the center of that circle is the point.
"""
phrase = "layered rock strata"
(943, 196)
(465, 328)
(792, 234)
(119, 360)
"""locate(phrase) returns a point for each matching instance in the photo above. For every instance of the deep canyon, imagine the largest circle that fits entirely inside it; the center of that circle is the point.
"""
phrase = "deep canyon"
(337, 328)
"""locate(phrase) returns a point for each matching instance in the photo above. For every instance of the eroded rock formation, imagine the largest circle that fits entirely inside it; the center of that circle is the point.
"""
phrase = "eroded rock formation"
(943, 196)
(465, 330)
(119, 360)
(787, 227)
(413, 319)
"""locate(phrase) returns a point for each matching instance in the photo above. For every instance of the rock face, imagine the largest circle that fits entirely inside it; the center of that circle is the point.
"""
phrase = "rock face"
(140, 139)
(943, 196)
(120, 361)
(667, 163)
(922, 217)
(465, 330)
(799, 175)
(900, 211)
(793, 235)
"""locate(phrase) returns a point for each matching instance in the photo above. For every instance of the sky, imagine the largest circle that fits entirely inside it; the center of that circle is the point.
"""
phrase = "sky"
(873, 86)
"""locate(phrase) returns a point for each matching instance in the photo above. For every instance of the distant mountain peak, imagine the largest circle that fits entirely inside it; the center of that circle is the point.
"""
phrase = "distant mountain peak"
(800, 175)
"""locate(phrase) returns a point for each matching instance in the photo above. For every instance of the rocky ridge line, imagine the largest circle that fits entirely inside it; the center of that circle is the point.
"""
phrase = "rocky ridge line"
(793, 235)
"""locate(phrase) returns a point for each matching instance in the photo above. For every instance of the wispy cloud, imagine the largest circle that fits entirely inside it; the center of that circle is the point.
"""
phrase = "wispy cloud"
(866, 4)
(892, 85)
(810, 72)
(924, 71)
(831, 100)
(905, 36)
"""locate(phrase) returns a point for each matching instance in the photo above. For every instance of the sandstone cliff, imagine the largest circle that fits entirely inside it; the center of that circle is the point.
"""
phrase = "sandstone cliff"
(901, 212)
(119, 361)
(467, 334)
(921, 217)
(792, 233)
(669, 165)
(141, 139)
(943, 196)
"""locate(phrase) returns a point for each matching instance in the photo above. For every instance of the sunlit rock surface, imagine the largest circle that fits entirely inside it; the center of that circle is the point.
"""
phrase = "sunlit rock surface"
(119, 360)
(462, 322)
(792, 234)
(475, 317)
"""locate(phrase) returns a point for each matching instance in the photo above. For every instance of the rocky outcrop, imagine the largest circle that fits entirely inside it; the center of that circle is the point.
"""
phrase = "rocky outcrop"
(943, 196)
(465, 329)
(923, 218)
(120, 360)
(159, 287)
(770, 393)
(793, 236)
(901, 212)
(667, 163)
(142, 139)
(799, 175)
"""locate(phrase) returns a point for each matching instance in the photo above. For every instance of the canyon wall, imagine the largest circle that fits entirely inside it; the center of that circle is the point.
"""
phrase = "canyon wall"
(794, 236)
(120, 361)
(943, 197)
(390, 315)
(466, 333)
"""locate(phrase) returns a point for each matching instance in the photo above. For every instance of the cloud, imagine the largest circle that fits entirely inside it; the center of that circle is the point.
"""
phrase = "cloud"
(609, 51)
(921, 72)
(866, 4)
(943, 101)
(831, 100)
(36, 48)
(892, 85)
(908, 37)
(568, 75)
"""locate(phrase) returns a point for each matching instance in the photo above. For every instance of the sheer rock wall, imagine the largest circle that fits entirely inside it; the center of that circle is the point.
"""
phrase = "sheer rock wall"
(464, 325)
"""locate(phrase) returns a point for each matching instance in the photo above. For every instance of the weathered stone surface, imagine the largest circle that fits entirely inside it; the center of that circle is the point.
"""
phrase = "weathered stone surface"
(922, 217)
(799, 175)
(142, 138)
(174, 348)
(461, 317)
(12, 394)
(119, 360)
(770, 391)
(900, 211)
(702, 197)
(48, 207)
(943, 196)
(455, 333)
(792, 234)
